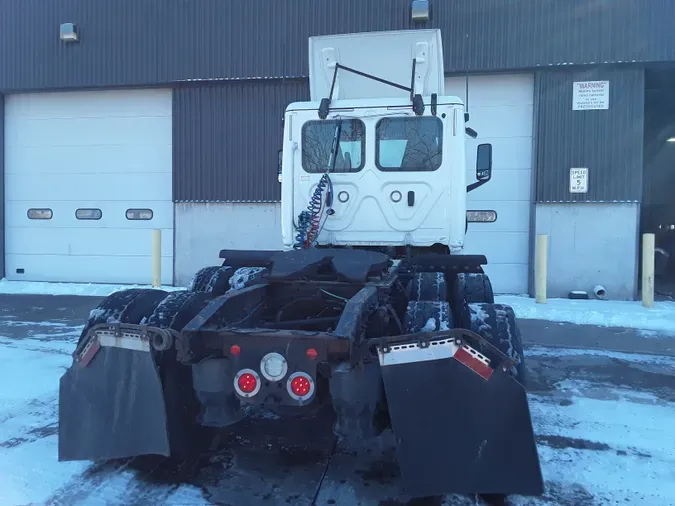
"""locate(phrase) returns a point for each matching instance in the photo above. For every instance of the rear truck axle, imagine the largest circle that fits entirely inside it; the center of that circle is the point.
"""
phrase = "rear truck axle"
(388, 346)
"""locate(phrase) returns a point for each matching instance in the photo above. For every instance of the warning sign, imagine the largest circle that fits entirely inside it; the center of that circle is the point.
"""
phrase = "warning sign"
(590, 95)
(578, 180)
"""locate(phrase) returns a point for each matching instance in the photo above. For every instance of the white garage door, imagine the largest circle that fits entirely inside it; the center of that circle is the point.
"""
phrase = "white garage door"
(501, 110)
(88, 176)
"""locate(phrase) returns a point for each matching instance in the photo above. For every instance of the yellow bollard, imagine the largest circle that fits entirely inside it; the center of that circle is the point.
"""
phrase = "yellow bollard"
(540, 268)
(648, 243)
(156, 258)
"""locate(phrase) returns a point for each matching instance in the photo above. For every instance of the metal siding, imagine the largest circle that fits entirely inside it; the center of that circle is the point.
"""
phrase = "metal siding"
(148, 42)
(608, 142)
(2, 186)
(226, 139)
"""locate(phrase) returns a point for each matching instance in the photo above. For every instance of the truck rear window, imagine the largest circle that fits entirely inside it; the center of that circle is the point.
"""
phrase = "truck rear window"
(411, 144)
(317, 144)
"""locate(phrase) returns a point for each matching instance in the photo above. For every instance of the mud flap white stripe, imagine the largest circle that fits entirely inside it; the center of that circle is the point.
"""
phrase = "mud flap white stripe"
(108, 339)
(437, 350)
(126, 341)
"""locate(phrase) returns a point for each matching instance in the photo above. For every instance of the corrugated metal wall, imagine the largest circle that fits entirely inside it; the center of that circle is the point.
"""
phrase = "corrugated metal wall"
(226, 137)
(147, 42)
(607, 142)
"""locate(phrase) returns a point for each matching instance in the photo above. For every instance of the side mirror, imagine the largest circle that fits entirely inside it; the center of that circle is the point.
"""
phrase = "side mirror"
(483, 166)
(281, 159)
(484, 162)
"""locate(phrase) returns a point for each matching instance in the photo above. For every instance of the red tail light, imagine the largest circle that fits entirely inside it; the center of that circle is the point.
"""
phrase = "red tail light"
(247, 383)
(300, 386)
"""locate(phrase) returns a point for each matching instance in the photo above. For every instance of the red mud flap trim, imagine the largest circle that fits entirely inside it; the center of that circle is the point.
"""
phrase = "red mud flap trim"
(474, 361)
(438, 350)
(111, 339)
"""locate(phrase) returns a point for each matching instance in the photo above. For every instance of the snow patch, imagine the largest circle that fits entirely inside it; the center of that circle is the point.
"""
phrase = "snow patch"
(429, 326)
(635, 467)
(96, 313)
(541, 351)
(81, 289)
(602, 313)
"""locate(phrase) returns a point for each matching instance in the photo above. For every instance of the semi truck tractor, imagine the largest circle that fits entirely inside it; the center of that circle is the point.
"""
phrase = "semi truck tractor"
(370, 305)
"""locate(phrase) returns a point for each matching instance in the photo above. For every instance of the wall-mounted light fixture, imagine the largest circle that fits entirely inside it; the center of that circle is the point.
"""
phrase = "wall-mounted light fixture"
(420, 11)
(68, 32)
(670, 139)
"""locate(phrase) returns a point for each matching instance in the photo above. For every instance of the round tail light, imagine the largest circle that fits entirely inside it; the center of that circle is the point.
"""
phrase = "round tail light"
(300, 386)
(247, 383)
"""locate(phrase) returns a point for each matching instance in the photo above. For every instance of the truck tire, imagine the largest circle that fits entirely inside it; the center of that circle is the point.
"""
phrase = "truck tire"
(124, 306)
(248, 276)
(474, 287)
(497, 324)
(187, 439)
(214, 280)
(429, 286)
(427, 316)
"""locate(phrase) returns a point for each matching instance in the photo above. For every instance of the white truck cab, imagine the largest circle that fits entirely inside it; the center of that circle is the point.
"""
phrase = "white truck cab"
(370, 160)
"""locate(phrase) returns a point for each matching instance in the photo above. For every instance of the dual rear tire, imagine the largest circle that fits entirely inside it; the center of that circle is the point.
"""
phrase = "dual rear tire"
(174, 310)
(468, 303)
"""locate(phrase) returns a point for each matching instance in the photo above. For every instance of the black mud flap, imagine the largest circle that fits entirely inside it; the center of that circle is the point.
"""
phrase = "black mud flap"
(112, 407)
(460, 426)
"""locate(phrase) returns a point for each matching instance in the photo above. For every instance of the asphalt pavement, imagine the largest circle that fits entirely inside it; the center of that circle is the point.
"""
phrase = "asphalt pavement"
(602, 403)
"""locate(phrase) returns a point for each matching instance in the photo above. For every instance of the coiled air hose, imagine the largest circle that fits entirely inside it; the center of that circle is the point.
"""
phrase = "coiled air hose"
(309, 221)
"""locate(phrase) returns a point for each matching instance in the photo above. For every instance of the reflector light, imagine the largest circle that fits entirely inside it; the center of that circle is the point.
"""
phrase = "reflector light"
(312, 353)
(247, 383)
(481, 216)
(300, 386)
(273, 366)
(235, 349)
(474, 361)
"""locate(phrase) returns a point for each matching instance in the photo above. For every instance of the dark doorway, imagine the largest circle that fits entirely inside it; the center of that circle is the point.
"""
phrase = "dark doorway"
(658, 200)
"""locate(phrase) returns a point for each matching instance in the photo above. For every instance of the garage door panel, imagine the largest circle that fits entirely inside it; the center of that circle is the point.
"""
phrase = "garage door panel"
(508, 278)
(92, 241)
(91, 104)
(84, 269)
(88, 132)
(480, 239)
(507, 152)
(512, 216)
(107, 151)
(501, 109)
(92, 187)
(78, 160)
(506, 121)
(114, 215)
(515, 89)
(504, 185)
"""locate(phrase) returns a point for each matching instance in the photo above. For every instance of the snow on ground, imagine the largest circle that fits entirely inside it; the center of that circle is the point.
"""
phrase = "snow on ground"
(28, 421)
(82, 289)
(603, 313)
(600, 442)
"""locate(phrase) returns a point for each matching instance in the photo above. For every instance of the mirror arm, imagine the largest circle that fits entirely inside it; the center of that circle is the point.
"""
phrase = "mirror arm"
(477, 184)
